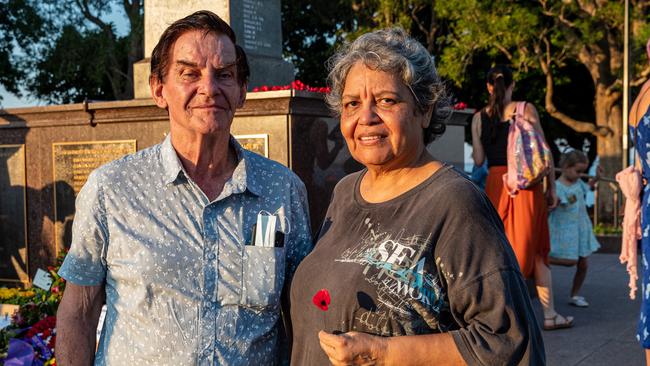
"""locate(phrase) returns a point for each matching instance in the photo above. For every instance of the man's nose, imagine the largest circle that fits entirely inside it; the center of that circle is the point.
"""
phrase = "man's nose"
(209, 85)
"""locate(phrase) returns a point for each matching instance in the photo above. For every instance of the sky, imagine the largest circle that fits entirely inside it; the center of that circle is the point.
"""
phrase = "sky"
(10, 100)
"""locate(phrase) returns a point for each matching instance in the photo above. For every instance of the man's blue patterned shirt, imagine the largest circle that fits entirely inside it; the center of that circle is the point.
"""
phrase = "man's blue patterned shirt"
(182, 285)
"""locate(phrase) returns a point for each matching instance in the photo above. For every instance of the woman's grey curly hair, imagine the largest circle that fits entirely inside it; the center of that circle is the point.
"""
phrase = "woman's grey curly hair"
(393, 51)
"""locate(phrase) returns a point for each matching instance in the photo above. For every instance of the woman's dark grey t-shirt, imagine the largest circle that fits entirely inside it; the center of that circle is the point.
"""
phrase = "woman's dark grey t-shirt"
(434, 259)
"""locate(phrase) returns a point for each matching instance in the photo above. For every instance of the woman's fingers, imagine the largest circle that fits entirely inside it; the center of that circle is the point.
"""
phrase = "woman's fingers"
(347, 349)
(332, 347)
(331, 341)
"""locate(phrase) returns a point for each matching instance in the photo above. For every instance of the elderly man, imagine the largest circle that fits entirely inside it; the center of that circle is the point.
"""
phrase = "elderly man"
(166, 236)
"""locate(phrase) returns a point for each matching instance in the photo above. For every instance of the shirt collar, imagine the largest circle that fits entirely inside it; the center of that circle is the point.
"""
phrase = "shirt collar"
(172, 166)
(244, 177)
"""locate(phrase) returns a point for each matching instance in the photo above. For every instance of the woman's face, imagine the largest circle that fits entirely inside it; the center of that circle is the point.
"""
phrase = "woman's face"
(379, 119)
(509, 90)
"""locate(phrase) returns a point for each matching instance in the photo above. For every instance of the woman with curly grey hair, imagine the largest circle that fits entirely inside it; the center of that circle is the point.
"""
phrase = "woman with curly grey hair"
(411, 266)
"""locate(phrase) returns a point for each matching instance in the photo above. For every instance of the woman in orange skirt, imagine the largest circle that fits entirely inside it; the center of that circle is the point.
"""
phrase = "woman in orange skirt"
(525, 216)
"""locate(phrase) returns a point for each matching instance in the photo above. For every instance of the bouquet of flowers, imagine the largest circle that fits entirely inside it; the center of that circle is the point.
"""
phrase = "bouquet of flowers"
(37, 345)
(295, 85)
(31, 337)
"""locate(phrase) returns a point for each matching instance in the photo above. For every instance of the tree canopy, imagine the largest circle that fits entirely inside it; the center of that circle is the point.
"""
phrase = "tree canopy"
(20, 29)
(567, 54)
(71, 58)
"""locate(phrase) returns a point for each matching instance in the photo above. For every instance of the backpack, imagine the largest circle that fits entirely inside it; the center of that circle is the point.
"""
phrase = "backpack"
(529, 157)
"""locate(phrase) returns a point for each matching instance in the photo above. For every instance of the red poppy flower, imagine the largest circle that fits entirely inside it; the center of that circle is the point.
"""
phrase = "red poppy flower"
(322, 299)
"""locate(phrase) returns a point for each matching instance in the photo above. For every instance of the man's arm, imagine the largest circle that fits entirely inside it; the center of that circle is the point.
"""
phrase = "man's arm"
(76, 324)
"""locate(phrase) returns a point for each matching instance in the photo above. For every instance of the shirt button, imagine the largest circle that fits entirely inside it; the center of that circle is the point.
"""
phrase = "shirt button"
(211, 256)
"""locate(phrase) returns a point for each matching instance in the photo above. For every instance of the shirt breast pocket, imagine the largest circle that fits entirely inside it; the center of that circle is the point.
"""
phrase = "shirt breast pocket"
(263, 276)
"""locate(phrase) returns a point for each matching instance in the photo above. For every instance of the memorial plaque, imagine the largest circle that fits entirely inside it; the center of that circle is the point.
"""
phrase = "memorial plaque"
(256, 143)
(13, 215)
(72, 163)
(258, 26)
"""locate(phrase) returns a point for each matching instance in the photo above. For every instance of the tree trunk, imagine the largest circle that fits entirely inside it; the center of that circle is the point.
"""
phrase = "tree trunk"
(608, 113)
(136, 40)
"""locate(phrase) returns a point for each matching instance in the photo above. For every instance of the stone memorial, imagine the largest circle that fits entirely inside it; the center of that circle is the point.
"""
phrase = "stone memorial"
(46, 153)
(13, 216)
(257, 25)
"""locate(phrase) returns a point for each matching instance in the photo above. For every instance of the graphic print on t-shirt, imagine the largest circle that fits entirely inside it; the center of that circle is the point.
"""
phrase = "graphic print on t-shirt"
(398, 266)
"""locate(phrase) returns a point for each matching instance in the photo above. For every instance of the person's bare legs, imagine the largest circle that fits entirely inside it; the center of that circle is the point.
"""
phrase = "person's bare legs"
(647, 357)
(562, 261)
(544, 284)
(579, 278)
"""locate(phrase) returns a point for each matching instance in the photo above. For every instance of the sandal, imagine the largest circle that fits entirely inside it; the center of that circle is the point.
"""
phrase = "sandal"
(558, 322)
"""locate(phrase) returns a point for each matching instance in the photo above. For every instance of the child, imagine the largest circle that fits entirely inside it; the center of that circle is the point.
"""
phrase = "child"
(572, 236)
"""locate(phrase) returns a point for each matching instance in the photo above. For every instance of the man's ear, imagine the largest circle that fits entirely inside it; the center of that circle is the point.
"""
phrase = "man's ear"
(156, 87)
(242, 95)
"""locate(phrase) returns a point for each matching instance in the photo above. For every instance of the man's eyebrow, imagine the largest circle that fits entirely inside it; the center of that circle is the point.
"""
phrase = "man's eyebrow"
(186, 63)
(194, 64)
(221, 67)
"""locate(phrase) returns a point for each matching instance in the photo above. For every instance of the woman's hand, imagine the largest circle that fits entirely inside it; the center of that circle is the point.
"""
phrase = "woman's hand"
(353, 348)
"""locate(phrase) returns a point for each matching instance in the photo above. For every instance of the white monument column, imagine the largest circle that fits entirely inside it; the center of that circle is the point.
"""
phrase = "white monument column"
(257, 26)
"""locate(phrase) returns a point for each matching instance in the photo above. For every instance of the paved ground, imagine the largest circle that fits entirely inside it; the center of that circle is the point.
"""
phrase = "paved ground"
(605, 332)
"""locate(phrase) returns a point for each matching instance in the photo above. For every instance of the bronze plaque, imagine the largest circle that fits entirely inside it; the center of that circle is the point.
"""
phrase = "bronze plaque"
(72, 163)
(13, 215)
(258, 143)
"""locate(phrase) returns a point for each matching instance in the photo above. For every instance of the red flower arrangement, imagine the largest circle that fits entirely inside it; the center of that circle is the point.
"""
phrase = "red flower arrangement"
(32, 332)
(460, 106)
(322, 299)
(44, 326)
(38, 345)
(295, 85)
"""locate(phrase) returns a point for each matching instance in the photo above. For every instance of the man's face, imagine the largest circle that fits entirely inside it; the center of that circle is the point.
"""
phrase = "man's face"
(201, 90)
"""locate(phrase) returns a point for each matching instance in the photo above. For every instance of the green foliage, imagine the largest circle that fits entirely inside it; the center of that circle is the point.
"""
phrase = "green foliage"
(62, 78)
(310, 30)
(35, 304)
(72, 57)
(20, 27)
(602, 229)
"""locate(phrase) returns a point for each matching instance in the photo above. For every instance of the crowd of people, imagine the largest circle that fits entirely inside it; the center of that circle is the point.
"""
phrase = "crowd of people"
(208, 246)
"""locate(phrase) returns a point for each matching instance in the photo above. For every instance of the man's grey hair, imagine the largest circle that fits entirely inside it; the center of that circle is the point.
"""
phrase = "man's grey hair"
(393, 51)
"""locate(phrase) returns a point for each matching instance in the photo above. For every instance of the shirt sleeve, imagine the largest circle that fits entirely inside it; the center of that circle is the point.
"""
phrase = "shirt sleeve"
(487, 296)
(85, 263)
(299, 242)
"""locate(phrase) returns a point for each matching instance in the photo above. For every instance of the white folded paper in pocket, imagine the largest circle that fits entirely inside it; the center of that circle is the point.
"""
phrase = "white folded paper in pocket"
(265, 230)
